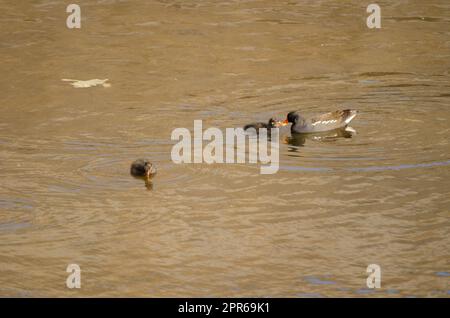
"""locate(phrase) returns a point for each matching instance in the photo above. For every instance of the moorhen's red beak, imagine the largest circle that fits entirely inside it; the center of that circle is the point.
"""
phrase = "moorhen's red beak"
(282, 123)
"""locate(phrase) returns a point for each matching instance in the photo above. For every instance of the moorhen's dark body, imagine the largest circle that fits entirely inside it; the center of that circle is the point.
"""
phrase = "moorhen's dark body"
(325, 122)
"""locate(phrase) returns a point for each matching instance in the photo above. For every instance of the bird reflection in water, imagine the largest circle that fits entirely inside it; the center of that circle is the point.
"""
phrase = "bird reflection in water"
(299, 140)
(148, 184)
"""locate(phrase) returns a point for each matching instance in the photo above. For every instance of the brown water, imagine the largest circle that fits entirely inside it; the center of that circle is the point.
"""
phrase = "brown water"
(336, 205)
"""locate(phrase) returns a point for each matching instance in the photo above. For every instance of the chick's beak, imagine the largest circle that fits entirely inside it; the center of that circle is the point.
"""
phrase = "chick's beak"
(150, 171)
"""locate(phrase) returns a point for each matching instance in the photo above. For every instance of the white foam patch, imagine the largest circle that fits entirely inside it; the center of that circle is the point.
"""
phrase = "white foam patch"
(88, 83)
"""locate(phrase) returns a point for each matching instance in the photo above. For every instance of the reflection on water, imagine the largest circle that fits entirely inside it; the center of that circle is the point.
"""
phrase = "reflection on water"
(148, 184)
(339, 202)
(299, 140)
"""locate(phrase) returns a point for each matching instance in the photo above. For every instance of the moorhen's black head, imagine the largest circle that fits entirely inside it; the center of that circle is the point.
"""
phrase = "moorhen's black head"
(292, 117)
